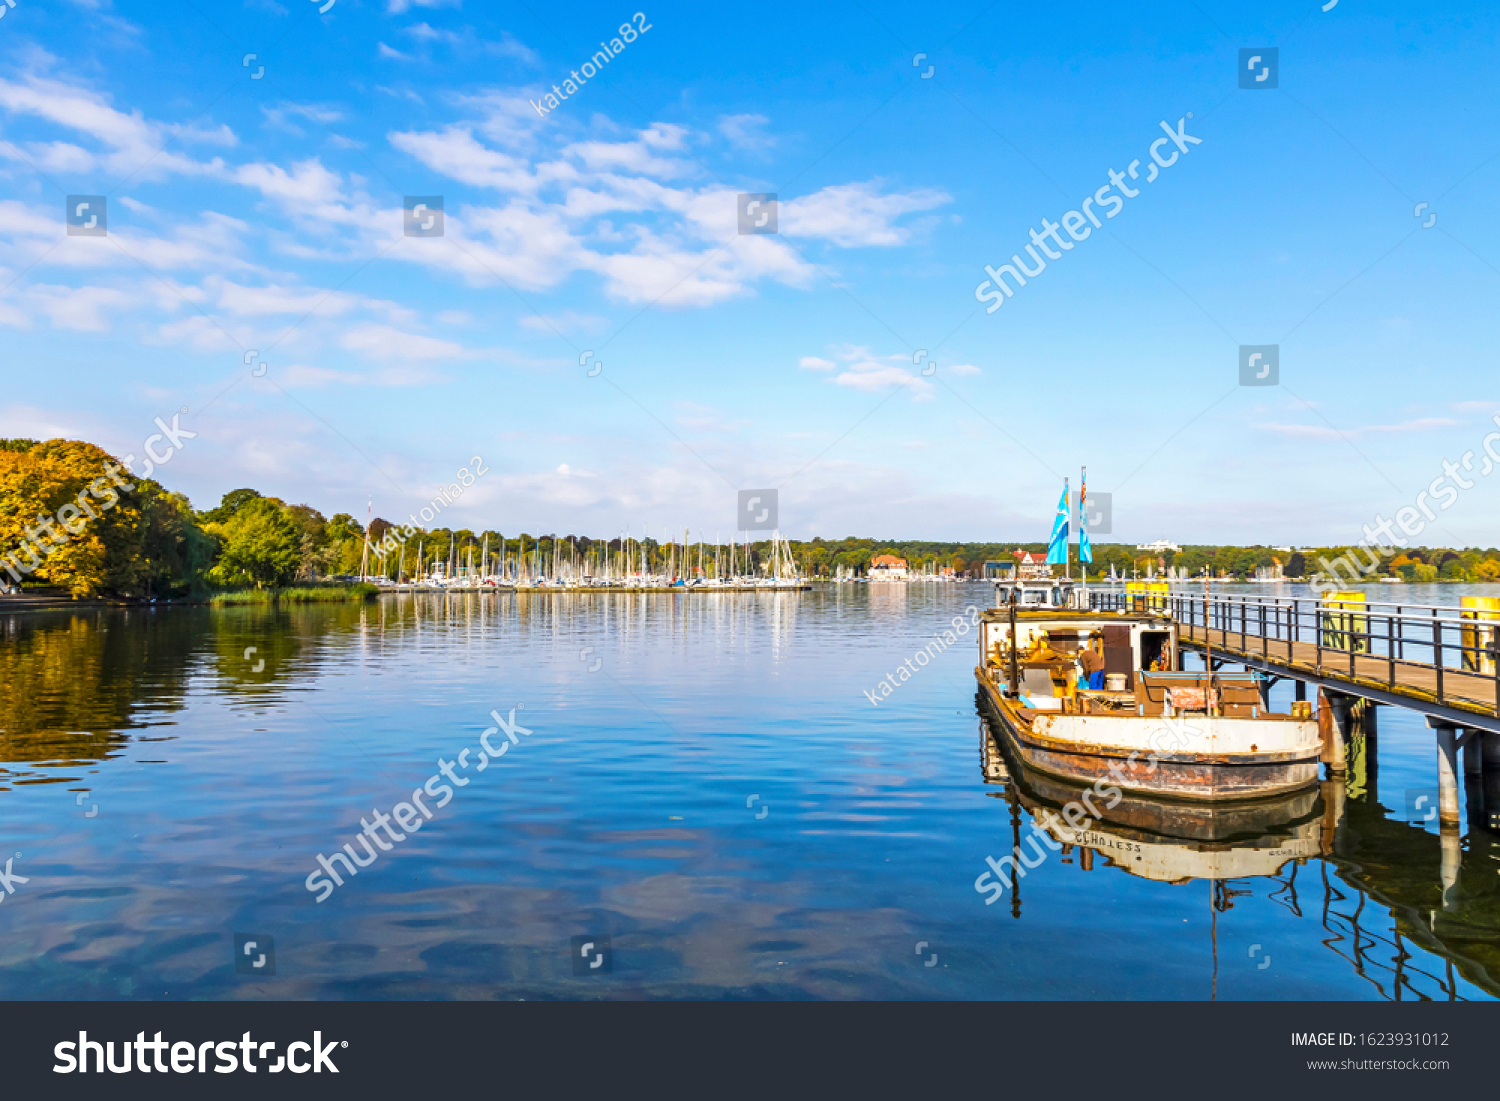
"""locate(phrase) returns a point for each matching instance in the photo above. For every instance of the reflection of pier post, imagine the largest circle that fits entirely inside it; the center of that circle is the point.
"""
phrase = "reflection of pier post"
(1016, 870)
(1448, 813)
(1335, 828)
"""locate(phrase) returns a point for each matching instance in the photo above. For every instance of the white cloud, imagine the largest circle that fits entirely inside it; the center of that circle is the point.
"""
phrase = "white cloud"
(280, 116)
(853, 215)
(131, 144)
(745, 132)
(564, 322)
(1324, 432)
(468, 42)
(298, 376)
(864, 371)
(82, 309)
(457, 154)
(385, 342)
(623, 215)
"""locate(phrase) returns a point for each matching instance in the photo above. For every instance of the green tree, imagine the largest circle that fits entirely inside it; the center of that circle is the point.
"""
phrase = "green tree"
(261, 545)
(313, 530)
(231, 503)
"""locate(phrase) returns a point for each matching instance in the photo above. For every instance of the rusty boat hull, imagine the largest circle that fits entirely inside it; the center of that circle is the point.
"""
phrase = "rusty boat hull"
(1244, 758)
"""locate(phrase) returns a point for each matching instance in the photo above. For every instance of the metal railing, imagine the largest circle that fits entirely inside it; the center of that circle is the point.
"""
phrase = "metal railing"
(1374, 641)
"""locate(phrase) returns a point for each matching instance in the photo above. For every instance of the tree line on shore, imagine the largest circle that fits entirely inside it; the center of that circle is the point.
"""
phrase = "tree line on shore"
(150, 541)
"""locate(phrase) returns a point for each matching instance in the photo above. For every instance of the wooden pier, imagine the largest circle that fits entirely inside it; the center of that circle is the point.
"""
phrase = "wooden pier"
(591, 590)
(1440, 662)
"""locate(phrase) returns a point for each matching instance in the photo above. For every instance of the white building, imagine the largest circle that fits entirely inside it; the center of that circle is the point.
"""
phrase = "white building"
(1161, 546)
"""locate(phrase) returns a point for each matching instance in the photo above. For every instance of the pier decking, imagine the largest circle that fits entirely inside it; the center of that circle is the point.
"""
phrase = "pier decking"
(591, 590)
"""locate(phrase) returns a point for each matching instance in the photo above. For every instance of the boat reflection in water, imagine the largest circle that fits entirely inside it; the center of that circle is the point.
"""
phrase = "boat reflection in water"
(1391, 900)
(1166, 841)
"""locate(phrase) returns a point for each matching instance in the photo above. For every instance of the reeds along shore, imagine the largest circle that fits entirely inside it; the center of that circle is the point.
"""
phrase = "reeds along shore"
(296, 596)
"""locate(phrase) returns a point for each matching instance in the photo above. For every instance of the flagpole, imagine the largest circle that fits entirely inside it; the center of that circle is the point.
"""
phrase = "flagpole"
(1083, 529)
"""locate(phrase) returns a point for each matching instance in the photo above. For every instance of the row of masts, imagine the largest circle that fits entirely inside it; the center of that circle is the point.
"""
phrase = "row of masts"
(563, 562)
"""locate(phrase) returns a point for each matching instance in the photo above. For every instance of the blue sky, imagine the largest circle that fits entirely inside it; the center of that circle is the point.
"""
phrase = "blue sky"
(265, 215)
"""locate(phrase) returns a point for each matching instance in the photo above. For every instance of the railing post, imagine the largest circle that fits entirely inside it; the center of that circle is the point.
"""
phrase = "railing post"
(1390, 648)
(1318, 633)
(1265, 639)
(1437, 652)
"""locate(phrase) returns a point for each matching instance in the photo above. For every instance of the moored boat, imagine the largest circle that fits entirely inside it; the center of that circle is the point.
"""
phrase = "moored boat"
(1149, 725)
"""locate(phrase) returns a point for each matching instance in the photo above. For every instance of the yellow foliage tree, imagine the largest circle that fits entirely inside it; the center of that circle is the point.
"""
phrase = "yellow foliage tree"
(63, 520)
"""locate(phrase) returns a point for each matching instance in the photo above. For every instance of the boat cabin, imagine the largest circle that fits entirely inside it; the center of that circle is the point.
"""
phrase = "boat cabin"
(1050, 640)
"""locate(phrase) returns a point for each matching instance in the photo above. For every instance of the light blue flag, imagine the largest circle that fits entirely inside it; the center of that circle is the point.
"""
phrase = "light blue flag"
(1057, 549)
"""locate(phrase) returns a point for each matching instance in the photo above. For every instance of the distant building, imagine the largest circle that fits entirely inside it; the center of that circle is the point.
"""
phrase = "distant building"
(887, 567)
(1030, 565)
(1161, 546)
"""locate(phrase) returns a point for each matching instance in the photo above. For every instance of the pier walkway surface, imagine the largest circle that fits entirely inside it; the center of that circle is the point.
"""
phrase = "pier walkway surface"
(574, 589)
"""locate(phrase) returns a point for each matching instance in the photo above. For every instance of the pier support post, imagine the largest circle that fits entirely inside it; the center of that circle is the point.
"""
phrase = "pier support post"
(1490, 786)
(1333, 725)
(1301, 690)
(1447, 769)
(1491, 751)
(1473, 749)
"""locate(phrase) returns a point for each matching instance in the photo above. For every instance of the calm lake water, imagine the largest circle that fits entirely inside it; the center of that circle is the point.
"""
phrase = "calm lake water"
(706, 796)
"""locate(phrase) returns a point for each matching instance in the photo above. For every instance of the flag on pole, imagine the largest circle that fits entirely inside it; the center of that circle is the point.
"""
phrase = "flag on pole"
(1085, 548)
(1057, 548)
